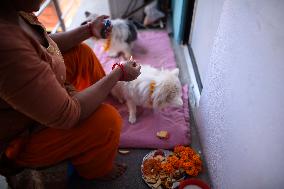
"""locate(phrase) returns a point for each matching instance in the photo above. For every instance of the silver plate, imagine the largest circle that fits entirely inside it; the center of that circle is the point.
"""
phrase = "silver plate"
(150, 155)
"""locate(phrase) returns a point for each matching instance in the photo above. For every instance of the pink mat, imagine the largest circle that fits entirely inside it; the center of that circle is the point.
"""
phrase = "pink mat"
(154, 48)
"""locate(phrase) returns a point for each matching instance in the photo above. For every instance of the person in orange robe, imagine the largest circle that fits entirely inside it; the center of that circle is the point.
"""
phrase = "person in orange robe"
(52, 106)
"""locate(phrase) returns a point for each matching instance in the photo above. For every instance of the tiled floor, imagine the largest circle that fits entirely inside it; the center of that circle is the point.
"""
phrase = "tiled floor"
(185, 79)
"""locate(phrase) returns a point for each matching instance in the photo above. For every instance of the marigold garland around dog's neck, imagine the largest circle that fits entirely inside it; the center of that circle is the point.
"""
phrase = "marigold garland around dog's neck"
(107, 43)
(151, 89)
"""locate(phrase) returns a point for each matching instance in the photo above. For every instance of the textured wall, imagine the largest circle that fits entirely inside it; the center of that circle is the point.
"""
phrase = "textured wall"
(241, 114)
(204, 28)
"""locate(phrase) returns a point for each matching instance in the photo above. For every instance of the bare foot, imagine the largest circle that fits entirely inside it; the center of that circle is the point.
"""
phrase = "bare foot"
(117, 171)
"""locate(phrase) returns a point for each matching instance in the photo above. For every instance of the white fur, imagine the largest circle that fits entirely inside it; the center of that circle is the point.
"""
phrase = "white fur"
(167, 90)
(119, 35)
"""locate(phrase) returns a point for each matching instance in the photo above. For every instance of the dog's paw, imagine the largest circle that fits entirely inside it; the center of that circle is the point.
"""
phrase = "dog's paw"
(121, 101)
(126, 55)
(132, 119)
(113, 54)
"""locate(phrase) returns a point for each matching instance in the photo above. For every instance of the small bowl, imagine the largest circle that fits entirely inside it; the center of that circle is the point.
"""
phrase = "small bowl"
(193, 182)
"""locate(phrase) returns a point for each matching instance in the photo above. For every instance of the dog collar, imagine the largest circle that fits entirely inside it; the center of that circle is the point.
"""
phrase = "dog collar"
(107, 44)
(151, 89)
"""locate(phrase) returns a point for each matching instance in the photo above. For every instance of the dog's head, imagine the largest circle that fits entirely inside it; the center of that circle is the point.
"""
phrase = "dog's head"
(168, 90)
(122, 29)
(89, 17)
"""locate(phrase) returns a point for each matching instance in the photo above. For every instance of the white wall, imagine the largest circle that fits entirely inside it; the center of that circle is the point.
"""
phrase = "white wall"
(241, 114)
(206, 21)
(119, 7)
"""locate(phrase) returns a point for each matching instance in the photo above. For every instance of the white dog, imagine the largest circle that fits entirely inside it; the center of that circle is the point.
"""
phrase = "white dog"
(153, 88)
(123, 34)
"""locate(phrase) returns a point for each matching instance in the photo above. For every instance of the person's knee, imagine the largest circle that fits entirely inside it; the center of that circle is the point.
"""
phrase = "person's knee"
(105, 117)
(109, 121)
(85, 49)
(103, 124)
(110, 116)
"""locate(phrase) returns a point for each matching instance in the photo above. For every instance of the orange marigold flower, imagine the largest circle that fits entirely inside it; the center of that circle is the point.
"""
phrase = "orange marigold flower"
(178, 149)
(167, 167)
(198, 162)
(107, 44)
(187, 165)
(190, 171)
(196, 158)
(174, 161)
(198, 168)
(195, 173)
(186, 159)
(191, 153)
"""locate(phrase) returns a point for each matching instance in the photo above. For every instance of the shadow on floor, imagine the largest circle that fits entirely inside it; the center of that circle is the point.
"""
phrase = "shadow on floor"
(130, 180)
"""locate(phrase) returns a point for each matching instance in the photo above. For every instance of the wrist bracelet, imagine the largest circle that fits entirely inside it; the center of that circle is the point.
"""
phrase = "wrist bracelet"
(122, 69)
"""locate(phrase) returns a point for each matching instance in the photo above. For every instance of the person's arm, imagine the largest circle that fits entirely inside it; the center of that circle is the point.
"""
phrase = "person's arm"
(30, 86)
(67, 40)
(93, 96)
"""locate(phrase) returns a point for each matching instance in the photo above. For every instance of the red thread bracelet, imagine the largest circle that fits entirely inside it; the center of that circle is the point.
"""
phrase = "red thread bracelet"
(122, 69)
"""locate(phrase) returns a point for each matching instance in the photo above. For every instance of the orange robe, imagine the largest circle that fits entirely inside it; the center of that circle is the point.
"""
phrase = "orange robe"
(92, 145)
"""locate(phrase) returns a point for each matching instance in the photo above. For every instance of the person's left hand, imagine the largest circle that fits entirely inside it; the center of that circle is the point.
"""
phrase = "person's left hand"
(98, 24)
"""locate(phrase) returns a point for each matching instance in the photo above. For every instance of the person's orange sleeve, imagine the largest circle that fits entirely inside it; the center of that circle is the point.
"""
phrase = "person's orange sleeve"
(30, 86)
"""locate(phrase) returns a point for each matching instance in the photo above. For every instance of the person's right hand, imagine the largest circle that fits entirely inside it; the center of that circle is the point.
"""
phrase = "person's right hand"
(131, 70)
(98, 24)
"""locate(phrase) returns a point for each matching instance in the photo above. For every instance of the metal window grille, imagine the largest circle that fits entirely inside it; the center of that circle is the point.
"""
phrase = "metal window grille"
(60, 16)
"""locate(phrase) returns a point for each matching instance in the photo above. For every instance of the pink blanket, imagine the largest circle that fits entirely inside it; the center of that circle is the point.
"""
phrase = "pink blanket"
(154, 48)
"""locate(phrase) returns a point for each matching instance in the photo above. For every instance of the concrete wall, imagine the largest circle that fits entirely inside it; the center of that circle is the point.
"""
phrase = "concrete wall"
(241, 114)
(204, 28)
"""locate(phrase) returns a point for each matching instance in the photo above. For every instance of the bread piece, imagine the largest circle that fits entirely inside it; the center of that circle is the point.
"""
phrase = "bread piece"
(163, 134)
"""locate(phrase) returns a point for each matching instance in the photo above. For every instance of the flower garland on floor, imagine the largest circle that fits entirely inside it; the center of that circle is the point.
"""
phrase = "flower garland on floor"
(183, 159)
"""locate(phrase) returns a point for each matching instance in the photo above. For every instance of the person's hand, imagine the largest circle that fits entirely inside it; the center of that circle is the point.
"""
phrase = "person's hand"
(131, 70)
(98, 24)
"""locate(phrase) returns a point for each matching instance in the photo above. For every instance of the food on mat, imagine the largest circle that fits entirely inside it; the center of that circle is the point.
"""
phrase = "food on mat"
(163, 134)
(123, 151)
(163, 169)
(159, 152)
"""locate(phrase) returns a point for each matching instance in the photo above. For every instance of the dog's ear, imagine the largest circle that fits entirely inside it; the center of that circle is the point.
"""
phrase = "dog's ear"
(87, 13)
(175, 71)
(161, 98)
(178, 101)
(85, 22)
